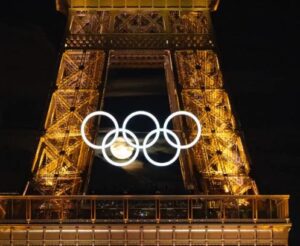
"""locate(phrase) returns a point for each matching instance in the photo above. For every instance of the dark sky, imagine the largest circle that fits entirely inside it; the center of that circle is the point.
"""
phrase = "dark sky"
(258, 59)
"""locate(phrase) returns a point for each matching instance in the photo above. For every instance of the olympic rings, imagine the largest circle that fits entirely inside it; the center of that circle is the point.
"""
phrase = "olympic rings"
(135, 144)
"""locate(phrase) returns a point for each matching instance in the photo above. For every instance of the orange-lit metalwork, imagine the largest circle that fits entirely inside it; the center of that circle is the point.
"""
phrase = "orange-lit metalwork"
(147, 208)
(128, 5)
(145, 220)
(62, 158)
(219, 157)
(175, 35)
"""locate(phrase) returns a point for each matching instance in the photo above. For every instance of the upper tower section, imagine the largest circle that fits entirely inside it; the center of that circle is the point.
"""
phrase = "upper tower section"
(139, 24)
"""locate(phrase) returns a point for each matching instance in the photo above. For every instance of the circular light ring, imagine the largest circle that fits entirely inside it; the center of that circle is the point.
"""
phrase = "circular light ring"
(99, 113)
(108, 159)
(138, 113)
(161, 164)
(137, 145)
(196, 139)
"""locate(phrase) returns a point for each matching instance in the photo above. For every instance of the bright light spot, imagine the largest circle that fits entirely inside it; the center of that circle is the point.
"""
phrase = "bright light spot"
(226, 189)
(121, 149)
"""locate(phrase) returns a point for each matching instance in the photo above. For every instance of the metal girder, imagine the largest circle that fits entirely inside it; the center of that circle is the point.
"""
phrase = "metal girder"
(63, 5)
(62, 158)
(208, 234)
(219, 156)
(139, 30)
(139, 41)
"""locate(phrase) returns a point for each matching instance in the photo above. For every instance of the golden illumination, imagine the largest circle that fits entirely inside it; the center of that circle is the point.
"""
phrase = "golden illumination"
(61, 155)
(219, 157)
(62, 5)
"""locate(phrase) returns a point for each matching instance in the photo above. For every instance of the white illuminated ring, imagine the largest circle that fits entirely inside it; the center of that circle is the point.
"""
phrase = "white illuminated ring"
(91, 115)
(138, 113)
(179, 145)
(136, 143)
(107, 158)
(161, 164)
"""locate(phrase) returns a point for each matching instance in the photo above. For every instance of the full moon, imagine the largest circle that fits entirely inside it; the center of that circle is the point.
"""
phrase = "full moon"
(120, 149)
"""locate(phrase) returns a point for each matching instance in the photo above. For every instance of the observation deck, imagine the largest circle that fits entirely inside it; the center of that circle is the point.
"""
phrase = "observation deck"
(144, 220)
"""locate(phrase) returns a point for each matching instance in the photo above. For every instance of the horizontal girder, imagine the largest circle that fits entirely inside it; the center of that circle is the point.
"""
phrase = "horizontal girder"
(178, 5)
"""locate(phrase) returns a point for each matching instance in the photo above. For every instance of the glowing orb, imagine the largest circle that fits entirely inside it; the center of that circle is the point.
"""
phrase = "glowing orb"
(121, 149)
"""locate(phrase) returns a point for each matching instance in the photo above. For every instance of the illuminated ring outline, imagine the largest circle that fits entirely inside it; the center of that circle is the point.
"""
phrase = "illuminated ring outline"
(179, 145)
(99, 113)
(161, 164)
(137, 145)
(107, 158)
(140, 113)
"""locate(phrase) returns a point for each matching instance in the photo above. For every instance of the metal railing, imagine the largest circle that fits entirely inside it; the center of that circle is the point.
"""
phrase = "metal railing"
(144, 209)
(144, 4)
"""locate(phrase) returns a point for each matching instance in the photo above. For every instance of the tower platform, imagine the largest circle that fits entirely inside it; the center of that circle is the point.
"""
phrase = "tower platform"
(144, 220)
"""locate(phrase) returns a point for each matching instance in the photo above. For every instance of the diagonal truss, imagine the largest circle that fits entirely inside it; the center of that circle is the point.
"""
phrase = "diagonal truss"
(219, 157)
(62, 158)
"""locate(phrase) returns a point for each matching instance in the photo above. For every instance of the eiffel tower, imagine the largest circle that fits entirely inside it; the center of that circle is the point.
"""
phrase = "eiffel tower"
(163, 52)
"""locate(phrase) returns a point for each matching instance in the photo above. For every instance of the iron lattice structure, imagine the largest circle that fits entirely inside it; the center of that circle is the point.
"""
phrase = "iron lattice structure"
(218, 162)
(177, 36)
(62, 158)
(219, 156)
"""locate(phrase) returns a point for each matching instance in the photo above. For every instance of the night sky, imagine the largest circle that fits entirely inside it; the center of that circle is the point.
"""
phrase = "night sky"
(258, 60)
